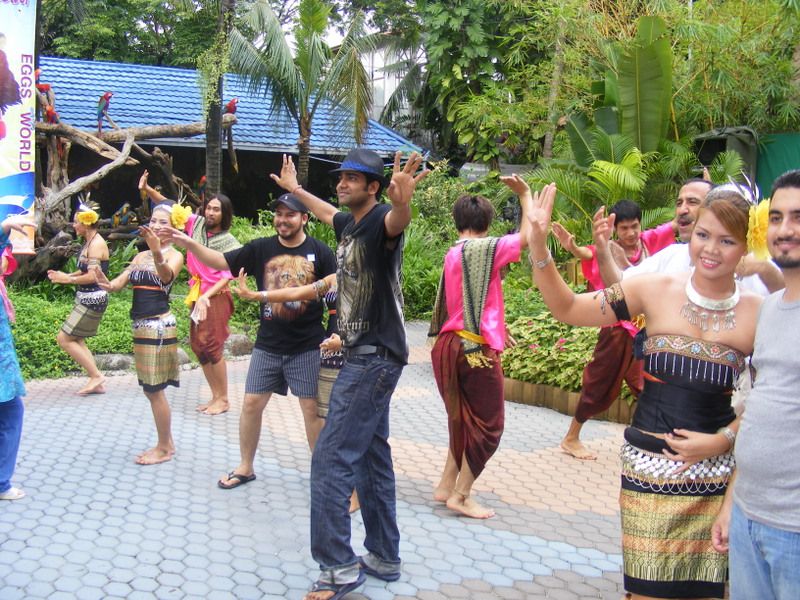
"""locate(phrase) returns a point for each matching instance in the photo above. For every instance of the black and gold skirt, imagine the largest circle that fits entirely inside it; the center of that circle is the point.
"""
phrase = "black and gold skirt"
(155, 350)
(666, 523)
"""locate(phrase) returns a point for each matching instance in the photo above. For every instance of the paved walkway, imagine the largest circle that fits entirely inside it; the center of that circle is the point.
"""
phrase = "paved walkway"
(96, 525)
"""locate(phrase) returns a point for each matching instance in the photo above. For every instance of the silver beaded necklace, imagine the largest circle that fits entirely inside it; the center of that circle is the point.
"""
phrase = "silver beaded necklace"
(704, 312)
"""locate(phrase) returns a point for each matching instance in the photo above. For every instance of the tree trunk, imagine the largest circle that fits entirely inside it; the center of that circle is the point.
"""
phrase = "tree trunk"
(303, 150)
(552, 98)
(214, 144)
(214, 119)
(52, 255)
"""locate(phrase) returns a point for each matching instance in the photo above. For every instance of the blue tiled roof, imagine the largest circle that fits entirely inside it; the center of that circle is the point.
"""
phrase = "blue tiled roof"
(146, 95)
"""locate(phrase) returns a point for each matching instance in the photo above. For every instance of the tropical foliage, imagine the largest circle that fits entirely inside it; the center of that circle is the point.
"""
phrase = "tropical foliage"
(299, 79)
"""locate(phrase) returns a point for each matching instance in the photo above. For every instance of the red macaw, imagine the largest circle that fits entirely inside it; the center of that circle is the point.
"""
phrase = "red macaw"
(230, 107)
(50, 114)
(201, 189)
(42, 87)
(102, 110)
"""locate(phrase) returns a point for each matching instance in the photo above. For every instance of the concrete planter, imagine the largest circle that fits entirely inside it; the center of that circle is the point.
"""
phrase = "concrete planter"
(535, 394)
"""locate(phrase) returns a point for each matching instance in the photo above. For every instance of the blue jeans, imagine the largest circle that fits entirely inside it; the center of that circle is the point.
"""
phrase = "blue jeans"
(10, 432)
(353, 452)
(764, 561)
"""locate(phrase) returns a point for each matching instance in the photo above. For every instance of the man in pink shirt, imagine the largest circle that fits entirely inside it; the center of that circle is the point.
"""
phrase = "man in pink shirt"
(210, 299)
(613, 360)
(209, 296)
(469, 321)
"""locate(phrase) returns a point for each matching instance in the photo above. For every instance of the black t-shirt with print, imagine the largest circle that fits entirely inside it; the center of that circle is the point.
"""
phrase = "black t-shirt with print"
(370, 302)
(286, 327)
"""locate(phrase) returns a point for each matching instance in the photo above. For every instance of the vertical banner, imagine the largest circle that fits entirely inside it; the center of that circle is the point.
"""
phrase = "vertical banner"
(17, 111)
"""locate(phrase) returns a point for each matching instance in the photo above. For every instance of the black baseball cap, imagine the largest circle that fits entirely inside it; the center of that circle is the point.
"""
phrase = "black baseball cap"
(290, 201)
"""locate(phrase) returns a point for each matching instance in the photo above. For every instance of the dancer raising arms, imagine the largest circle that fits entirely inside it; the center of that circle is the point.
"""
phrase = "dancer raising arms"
(676, 460)
(469, 321)
(155, 345)
(90, 301)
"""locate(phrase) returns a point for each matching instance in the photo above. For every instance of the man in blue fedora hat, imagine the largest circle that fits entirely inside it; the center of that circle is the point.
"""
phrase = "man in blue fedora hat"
(353, 449)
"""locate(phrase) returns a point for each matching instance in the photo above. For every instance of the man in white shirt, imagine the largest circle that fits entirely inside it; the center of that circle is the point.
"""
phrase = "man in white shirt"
(759, 276)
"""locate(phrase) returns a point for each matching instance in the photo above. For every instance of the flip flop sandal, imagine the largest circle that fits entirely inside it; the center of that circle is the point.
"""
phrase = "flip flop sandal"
(238, 480)
(365, 568)
(340, 590)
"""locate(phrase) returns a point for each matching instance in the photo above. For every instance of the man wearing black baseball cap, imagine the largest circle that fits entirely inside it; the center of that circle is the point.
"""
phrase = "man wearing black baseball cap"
(286, 354)
(352, 449)
(291, 202)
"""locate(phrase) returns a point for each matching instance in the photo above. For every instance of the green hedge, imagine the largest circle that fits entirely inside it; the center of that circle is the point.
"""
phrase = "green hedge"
(40, 318)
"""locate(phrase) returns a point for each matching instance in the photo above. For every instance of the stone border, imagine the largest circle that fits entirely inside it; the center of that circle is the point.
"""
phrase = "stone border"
(537, 394)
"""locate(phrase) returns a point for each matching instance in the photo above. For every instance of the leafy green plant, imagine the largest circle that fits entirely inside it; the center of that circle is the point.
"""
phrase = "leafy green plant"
(548, 352)
(422, 267)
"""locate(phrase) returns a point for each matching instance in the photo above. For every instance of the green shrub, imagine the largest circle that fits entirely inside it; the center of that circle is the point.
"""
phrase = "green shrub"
(548, 351)
(425, 247)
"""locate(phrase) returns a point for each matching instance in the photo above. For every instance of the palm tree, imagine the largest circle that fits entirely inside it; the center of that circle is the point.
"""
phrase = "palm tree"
(300, 82)
(226, 10)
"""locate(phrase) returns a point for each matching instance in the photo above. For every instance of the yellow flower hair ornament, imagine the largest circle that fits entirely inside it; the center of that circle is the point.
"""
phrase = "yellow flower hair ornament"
(757, 230)
(86, 216)
(179, 216)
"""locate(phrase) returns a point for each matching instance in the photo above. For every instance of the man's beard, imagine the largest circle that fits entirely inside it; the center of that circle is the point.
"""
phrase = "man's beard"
(785, 262)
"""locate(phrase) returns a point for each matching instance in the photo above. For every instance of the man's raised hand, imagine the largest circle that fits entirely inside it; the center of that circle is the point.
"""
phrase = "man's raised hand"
(602, 228)
(405, 178)
(288, 177)
(516, 184)
(541, 212)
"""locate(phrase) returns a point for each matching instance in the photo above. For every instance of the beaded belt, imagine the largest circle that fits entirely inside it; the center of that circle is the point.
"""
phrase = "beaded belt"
(658, 473)
(158, 323)
(93, 298)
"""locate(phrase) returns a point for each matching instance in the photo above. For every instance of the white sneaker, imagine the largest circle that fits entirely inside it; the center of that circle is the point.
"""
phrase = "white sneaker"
(12, 494)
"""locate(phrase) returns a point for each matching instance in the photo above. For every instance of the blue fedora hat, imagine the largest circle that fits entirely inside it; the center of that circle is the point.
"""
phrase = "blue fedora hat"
(364, 161)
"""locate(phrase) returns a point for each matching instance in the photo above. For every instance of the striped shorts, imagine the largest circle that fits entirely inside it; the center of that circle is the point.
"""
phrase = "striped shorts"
(277, 373)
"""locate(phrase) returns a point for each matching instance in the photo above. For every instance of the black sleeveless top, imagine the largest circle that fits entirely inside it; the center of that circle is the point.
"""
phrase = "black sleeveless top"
(150, 295)
(689, 386)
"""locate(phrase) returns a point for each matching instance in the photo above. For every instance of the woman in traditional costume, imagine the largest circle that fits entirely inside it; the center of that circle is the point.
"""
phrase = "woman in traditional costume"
(155, 346)
(90, 300)
(676, 459)
(469, 320)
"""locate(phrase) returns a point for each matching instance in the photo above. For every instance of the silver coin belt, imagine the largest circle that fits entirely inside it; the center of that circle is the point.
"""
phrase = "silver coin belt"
(157, 323)
(95, 298)
(658, 473)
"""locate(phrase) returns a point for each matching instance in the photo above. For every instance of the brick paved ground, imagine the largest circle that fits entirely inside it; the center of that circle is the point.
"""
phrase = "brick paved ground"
(96, 525)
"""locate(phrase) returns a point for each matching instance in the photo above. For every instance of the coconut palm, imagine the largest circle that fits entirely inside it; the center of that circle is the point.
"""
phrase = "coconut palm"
(300, 81)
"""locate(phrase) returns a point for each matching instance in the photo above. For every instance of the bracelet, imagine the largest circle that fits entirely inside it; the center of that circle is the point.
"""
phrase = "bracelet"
(729, 434)
(264, 296)
(320, 288)
(299, 187)
(541, 264)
